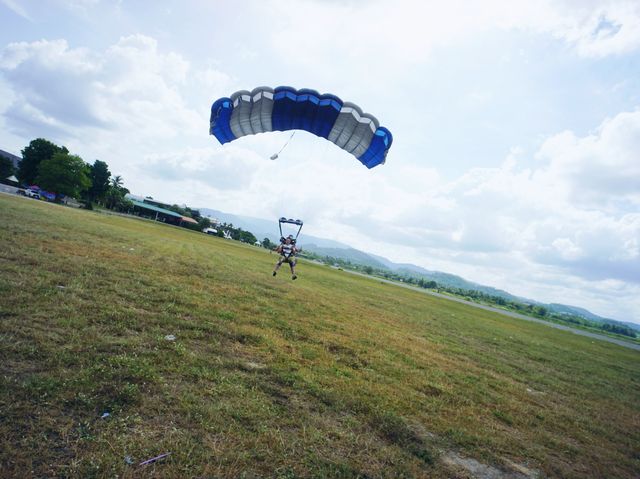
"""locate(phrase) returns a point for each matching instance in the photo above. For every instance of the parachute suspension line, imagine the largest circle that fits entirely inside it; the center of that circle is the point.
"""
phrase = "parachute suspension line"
(275, 156)
(290, 221)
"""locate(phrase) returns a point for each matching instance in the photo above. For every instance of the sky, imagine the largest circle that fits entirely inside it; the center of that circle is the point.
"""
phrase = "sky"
(516, 124)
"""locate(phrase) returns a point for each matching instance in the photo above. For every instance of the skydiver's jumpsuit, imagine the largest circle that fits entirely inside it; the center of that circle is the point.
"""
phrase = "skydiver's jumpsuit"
(287, 255)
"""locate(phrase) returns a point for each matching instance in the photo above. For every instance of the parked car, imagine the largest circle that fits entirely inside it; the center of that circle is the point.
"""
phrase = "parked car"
(32, 193)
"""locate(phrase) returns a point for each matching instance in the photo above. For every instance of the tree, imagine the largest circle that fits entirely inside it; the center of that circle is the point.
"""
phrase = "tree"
(266, 243)
(247, 237)
(115, 195)
(6, 168)
(99, 175)
(540, 310)
(619, 329)
(117, 182)
(65, 174)
(34, 154)
(114, 199)
(204, 223)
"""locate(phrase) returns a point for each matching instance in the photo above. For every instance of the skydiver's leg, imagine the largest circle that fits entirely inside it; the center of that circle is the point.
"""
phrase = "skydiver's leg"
(292, 265)
(278, 264)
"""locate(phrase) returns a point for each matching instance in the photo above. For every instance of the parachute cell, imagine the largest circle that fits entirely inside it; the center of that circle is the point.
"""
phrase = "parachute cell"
(220, 120)
(284, 108)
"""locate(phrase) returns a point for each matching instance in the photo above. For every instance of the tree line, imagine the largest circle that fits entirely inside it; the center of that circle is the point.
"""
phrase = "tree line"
(235, 233)
(54, 169)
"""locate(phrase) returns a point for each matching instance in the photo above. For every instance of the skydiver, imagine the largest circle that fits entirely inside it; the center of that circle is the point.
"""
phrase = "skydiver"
(287, 250)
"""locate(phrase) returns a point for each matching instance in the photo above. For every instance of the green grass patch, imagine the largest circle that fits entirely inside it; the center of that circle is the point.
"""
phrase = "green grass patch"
(332, 375)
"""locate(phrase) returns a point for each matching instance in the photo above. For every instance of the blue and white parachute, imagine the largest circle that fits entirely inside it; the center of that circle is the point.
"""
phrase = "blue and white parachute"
(284, 108)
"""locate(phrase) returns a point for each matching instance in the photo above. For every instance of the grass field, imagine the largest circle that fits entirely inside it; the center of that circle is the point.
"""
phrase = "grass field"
(332, 375)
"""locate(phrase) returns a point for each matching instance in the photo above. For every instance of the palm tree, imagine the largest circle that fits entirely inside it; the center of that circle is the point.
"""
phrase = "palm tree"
(116, 192)
(117, 181)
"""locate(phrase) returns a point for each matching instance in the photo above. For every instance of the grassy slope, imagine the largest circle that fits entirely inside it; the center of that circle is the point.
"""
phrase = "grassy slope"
(329, 376)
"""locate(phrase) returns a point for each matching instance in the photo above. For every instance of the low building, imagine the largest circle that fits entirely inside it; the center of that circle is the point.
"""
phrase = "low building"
(153, 202)
(15, 159)
(150, 211)
(11, 180)
(133, 197)
(186, 219)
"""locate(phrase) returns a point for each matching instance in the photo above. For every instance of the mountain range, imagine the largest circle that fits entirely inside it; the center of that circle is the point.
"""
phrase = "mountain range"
(266, 229)
(325, 247)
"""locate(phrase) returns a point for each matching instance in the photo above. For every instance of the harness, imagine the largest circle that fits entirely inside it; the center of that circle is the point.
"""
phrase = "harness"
(287, 250)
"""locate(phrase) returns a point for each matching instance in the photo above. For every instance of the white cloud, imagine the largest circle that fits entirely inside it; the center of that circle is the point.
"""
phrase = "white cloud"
(131, 87)
(598, 29)
(17, 8)
(232, 168)
(407, 33)
(79, 5)
(600, 170)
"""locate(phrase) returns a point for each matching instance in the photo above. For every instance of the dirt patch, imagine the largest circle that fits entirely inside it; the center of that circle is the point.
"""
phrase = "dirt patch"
(533, 392)
(477, 470)
(522, 469)
(253, 366)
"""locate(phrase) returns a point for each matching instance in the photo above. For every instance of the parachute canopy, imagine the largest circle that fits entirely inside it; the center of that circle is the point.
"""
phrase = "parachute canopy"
(284, 108)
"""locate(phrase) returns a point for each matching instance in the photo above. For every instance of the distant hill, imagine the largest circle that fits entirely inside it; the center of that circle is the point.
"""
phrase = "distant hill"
(348, 254)
(445, 279)
(564, 309)
(584, 313)
(262, 228)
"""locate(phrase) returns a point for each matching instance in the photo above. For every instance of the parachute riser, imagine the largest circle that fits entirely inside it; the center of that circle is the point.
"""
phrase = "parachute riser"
(298, 223)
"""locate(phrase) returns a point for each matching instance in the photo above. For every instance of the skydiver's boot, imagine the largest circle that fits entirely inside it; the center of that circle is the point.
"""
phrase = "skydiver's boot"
(293, 276)
(274, 273)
